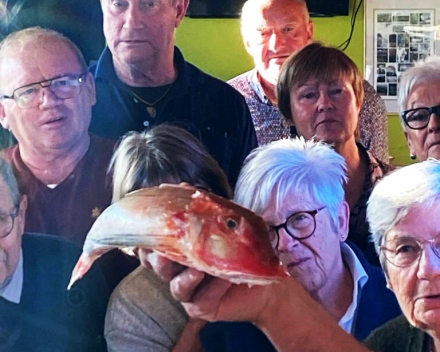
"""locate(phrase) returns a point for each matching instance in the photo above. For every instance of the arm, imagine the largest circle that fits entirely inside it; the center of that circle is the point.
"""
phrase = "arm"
(189, 340)
(271, 308)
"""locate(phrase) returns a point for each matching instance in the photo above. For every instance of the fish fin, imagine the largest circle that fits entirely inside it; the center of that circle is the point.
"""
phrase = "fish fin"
(81, 268)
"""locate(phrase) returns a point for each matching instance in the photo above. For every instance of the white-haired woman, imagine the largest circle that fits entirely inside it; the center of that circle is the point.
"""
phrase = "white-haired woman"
(298, 189)
(419, 105)
(403, 212)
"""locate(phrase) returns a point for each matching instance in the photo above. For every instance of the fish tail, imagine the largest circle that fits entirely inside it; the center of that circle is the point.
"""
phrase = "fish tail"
(81, 268)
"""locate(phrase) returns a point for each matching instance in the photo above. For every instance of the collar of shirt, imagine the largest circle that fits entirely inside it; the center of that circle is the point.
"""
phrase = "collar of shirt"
(256, 86)
(360, 278)
(12, 290)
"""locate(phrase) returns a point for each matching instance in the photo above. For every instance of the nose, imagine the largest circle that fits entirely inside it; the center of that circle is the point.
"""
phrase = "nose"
(276, 41)
(286, 243)
(132, 18)
(434, 122)
(429, 264)
(324, 102)
(49, 99)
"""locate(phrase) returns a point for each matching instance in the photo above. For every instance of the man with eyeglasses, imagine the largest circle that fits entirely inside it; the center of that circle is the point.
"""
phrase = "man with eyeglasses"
(37, 312)
(46, 99)
(298, 189)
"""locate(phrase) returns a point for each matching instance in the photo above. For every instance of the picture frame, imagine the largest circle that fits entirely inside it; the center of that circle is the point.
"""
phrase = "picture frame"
(398, 33)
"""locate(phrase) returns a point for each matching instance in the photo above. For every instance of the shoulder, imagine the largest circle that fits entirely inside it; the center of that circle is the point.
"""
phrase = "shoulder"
(373, 104)
(49, 248)
(150, 295)
(241, 82)
(142, 314)
(207, 84)
(396, 335)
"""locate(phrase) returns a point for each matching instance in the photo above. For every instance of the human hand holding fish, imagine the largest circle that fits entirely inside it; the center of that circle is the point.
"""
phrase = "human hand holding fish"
(192, 227)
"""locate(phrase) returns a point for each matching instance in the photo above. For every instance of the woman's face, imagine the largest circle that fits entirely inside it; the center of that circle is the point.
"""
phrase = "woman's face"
(417, 287)
(424, 143)
(311, 261)
(326, 111)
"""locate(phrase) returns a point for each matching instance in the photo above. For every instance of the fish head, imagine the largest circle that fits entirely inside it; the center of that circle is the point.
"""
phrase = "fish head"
(231, 239)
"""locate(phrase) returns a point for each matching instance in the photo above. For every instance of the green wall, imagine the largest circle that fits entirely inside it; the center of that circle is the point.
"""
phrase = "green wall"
(215, 46)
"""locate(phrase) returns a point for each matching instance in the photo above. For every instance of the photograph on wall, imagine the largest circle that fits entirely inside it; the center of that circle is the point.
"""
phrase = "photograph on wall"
(401, 38)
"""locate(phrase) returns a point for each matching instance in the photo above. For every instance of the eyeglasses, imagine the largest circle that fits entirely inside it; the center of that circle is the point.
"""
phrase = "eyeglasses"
(64, 87)
(300, 226)
(7, 222)
(404, 251)
(418, 119)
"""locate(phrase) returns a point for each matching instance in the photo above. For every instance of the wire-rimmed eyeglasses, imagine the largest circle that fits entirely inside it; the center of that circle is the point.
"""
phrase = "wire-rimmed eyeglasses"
(418, 118)
(300, 226)
(63, 87)
(405, 251)
(7, 222)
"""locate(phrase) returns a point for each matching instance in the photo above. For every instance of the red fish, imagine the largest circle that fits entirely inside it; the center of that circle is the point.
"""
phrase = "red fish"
(192, 227)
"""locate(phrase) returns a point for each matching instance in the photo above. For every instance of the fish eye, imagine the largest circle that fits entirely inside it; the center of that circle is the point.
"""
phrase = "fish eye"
(232, 224)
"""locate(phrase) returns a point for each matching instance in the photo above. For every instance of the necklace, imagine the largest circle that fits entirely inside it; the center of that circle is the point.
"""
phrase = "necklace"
(150, 105)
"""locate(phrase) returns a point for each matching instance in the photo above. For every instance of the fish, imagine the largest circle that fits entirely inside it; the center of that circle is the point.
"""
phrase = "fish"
(193, 227)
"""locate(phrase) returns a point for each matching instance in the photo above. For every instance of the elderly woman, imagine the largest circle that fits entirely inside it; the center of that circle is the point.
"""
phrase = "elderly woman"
(320, 92)
(403, 212)
(297, 187)
(142, 315)
(419, 104)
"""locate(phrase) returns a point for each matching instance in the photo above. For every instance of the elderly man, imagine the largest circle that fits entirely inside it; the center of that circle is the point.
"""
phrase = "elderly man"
(46, 101)
(143, 80)
(272, 30)
(37, 313)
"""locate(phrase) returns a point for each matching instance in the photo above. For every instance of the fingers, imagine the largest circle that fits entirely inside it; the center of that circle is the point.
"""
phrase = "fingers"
(184, 285)
(165, 268)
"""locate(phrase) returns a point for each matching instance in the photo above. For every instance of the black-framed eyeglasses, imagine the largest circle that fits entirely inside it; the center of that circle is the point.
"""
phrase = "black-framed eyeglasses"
(405, 251)
(63, 87)
(418, 119)
(7, 222)
(300, 226)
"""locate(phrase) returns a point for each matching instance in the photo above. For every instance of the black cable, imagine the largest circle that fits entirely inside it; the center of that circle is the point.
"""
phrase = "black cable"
(344, 45)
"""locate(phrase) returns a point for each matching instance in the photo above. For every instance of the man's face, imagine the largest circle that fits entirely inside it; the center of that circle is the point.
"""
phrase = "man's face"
(139, 30)
(10, 245)
(54, 123)
(276, 30)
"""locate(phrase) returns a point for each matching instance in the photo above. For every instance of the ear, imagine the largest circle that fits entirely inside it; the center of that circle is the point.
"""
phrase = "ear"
(3, 119)
(181, 7)
(90, 86)
(343, 221)
(310, 31)
(22, 213)
(409, 143)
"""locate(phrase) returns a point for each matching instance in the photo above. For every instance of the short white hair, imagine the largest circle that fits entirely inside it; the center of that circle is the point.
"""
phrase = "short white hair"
(307, 168)
(424, 71)
(393, 197)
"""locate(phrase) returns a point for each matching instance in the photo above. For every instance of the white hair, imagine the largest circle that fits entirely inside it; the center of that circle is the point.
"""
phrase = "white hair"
(424, 71)
(392, 198)
(307, 168)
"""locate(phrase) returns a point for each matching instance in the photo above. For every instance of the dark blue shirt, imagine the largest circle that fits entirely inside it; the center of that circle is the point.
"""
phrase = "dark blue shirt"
(210, 109)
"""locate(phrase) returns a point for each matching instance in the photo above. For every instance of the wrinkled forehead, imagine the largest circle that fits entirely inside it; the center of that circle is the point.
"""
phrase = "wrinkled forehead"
(24, 62)
(270, 13)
